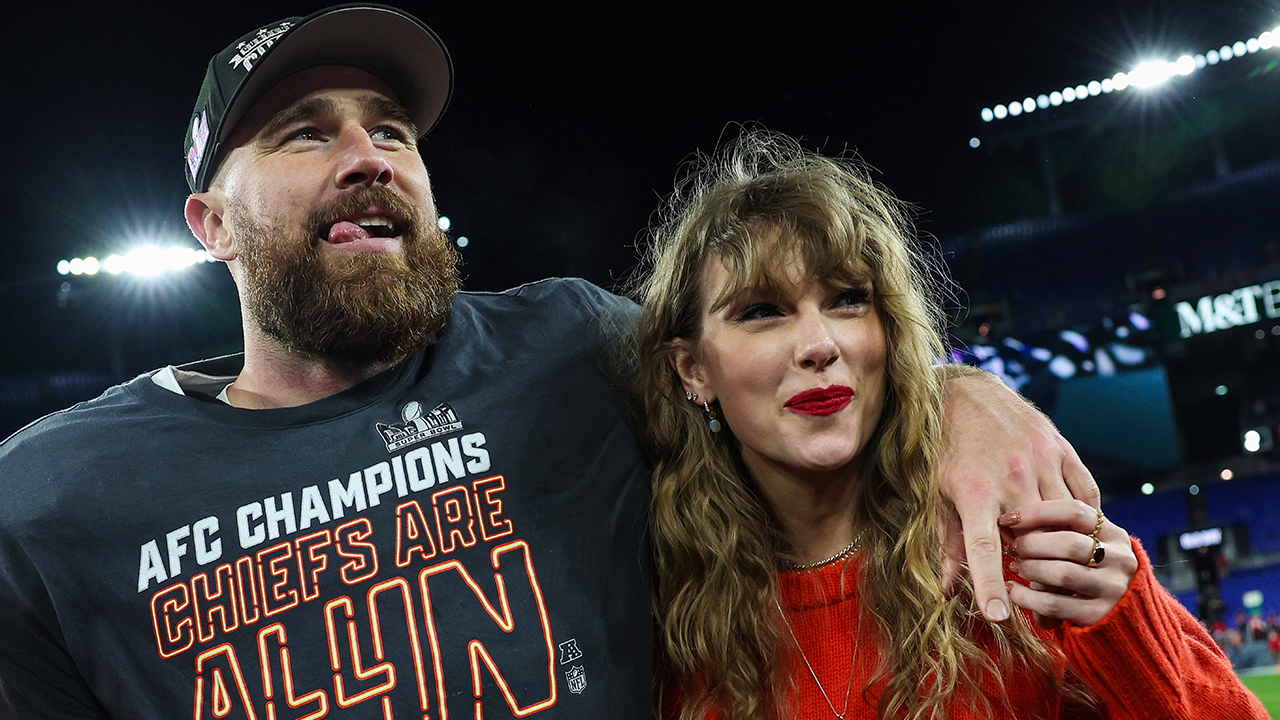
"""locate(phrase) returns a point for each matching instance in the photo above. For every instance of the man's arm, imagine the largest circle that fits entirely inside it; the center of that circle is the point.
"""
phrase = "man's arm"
(999, 453)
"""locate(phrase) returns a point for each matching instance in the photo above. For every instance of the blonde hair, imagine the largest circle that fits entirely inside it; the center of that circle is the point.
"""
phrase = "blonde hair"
(715, 541)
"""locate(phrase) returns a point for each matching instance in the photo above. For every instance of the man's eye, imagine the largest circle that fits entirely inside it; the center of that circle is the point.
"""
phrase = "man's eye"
(303, 135)
(389, 134)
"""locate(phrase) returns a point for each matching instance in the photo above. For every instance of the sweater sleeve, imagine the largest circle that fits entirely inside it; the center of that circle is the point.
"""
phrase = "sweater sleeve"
(1150, 658)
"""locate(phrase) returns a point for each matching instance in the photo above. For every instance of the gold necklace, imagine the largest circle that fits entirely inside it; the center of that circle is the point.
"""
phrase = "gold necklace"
(849, 549)
(852, 662)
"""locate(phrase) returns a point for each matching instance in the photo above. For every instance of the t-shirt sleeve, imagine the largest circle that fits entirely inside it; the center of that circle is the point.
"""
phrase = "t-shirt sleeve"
(1150, 658)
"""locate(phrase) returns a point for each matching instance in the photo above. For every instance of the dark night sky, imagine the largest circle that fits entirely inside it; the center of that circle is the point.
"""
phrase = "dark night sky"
(566, 125)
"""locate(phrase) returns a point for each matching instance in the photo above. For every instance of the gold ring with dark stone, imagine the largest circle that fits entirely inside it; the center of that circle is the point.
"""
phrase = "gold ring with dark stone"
(1098, 554)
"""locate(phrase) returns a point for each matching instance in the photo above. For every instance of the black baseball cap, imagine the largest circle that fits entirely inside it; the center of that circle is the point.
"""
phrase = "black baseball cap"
(386, 42)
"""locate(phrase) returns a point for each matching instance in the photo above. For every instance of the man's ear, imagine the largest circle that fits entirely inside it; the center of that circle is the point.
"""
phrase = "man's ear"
(206, 213)
(685, 361)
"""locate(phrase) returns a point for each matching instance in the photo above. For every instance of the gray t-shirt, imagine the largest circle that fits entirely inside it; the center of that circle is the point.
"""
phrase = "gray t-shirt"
(461, 536)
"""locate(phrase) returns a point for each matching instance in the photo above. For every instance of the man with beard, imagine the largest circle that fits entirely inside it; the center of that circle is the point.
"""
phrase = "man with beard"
(400, 500)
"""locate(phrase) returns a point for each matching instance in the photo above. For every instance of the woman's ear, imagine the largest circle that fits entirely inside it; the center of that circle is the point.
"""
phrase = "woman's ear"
(684, 360)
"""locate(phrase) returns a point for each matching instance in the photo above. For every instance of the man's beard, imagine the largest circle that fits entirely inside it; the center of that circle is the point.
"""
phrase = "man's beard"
(361, 308)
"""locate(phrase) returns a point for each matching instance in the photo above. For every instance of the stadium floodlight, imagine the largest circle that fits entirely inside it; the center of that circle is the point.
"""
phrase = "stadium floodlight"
(1145, 75)
(148, 260)
(1150, 74)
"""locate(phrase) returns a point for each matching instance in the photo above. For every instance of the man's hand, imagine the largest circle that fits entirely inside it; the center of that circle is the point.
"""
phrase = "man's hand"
(999, 453)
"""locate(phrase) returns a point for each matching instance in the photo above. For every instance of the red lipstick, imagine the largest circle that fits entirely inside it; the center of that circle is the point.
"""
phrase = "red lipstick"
(821, 401)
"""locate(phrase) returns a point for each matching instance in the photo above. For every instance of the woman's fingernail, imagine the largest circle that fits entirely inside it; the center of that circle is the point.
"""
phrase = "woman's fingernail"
(1014, 565)
(1013, 517)
(1011, 549)
(997, 610)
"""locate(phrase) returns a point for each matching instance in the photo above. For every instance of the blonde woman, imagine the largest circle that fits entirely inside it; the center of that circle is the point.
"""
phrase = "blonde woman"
(787, 352)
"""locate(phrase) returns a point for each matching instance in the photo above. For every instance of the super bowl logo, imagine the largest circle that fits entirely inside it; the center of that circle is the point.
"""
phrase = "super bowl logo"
(417, 426)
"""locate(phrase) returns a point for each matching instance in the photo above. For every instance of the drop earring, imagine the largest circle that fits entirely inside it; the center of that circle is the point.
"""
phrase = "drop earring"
(712, 422)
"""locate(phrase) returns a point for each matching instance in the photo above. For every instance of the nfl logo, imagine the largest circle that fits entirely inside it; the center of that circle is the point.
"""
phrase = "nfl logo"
(577, 677)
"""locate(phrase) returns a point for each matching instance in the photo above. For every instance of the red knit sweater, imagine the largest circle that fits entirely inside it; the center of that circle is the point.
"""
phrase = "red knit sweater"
(1147, 659)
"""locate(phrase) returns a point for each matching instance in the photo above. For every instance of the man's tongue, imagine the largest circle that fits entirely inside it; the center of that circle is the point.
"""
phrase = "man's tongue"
(345, 232)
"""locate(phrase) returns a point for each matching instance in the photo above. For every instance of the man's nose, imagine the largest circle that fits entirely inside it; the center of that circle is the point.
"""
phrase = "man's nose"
(361, 163)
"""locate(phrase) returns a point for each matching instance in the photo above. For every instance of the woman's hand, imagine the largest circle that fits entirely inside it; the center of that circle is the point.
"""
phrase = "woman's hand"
(1079, 563)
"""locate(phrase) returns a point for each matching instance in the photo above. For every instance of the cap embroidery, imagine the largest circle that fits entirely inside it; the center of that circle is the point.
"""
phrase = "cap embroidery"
(199, 137)
(248, 52)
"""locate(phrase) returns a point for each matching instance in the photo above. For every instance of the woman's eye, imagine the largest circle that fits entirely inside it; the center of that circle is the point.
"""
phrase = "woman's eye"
(758, 311)
(853, 297)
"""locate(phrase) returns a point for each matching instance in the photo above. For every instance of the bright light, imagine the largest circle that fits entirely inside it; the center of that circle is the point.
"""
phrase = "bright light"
(1194, 489)
(1252, 441)
(974, 142)
(146, 260)
(1226, 474)
(1220, 390)
(1149, 74)
(443, 222)
(463, 241)
(1148, 488)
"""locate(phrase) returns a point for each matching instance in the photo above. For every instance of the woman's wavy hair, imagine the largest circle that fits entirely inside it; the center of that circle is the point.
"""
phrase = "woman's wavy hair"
(760, 202)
